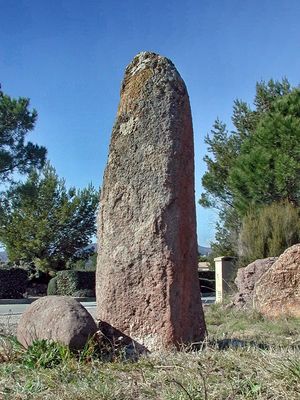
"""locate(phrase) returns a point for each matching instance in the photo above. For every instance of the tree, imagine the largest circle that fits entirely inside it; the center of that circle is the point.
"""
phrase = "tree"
(224, 149)
(15, 122)
(268, 166)
(44, 223)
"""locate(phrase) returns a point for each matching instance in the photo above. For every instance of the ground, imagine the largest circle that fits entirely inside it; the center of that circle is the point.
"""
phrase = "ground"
(244, 357)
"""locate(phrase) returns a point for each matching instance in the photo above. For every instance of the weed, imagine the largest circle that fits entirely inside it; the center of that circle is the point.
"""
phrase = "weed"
(10, 349)
(294, 368)
(45, 354)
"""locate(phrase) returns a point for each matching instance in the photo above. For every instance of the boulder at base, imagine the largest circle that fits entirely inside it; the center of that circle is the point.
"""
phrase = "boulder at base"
(147, 281)
(277, 292)
(246, 279)
(58, 318)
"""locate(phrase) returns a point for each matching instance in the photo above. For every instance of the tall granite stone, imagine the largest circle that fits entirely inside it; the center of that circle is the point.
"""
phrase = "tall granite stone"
(147, 283)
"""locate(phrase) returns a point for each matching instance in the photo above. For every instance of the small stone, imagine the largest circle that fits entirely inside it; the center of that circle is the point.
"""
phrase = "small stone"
(277, 292)
(147, 282)
(58, 318)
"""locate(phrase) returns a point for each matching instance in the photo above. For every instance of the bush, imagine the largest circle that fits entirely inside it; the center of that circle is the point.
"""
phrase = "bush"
(268, 231)
(70, 283)
(13, 283)
(52, 287)
(67, 282)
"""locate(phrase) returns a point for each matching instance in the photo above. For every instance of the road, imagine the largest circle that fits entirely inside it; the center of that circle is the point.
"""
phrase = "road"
(18, 309)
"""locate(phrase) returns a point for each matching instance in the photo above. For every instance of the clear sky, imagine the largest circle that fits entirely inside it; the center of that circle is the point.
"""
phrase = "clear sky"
(69, 56)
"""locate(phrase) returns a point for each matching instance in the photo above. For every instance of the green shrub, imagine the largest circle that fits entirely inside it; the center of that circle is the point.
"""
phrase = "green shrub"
(52, 287)
(13, 283)
(67, 282)
(72, 283)
(268, 231)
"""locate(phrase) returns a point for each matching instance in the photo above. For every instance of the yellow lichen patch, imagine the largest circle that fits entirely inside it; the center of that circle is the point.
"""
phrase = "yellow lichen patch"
(132, 89)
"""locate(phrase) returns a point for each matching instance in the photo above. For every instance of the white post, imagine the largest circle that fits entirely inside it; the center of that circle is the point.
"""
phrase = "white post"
(224, 268)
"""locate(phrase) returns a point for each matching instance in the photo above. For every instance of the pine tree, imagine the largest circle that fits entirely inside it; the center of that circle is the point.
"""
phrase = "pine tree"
(267, 169)
(16, 121)
(43, 223)
(225, 189)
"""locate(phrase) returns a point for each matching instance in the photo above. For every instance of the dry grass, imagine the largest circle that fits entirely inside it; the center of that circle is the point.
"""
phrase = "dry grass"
(241, 370)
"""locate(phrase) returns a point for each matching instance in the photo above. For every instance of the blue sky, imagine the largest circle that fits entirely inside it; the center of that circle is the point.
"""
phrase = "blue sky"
(69, 56)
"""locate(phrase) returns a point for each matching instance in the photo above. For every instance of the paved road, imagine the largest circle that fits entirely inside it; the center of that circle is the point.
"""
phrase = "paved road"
(18, 309)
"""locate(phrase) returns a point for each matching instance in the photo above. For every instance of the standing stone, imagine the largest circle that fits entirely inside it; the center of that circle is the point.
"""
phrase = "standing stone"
(147, 283)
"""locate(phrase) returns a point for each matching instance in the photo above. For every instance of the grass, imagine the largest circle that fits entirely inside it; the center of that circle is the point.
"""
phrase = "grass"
(239, 370)
(232, 323)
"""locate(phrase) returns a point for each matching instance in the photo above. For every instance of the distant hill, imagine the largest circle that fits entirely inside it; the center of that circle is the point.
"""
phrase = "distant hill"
(204, 251)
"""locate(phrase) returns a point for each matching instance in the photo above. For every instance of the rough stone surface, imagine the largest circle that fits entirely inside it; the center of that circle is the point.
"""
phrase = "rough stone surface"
(277, 292)
(58, 318)
(246, 279)
(147, 284)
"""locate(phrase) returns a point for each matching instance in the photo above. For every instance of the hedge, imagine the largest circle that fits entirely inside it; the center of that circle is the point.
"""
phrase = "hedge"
(73, 283)
(13, 283)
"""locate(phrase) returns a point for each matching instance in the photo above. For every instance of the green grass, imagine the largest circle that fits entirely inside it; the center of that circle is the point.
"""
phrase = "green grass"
(49, 372)
(232, 323)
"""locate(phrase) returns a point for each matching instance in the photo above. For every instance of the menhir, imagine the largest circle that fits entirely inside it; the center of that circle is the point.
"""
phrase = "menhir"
(147, 281)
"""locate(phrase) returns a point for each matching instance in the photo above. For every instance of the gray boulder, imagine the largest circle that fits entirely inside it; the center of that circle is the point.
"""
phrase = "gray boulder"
(58, 318)
(277, 292)
(246, 279)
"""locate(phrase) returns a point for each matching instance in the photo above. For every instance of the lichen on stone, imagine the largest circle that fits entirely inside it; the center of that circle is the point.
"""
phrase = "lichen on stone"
(133, 89)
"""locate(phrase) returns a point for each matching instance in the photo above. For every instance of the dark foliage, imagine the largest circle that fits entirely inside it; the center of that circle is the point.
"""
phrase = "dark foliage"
(13, 283)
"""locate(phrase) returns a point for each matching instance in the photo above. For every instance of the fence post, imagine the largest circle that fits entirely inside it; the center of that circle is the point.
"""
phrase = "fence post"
(224, 269)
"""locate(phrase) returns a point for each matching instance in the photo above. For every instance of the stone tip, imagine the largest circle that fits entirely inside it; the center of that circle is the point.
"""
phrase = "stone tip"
(146, 55)
(147, 60)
